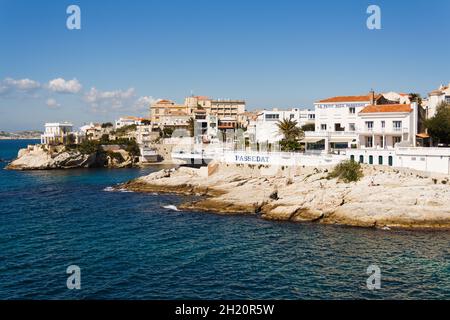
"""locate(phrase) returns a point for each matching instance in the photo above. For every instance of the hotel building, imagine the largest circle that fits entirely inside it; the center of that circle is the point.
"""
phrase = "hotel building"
(367, 121)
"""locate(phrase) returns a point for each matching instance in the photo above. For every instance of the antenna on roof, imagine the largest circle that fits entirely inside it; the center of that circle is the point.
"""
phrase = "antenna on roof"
(192, 93)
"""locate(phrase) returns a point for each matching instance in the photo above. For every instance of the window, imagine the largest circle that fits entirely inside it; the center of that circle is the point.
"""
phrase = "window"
(447, 99)
(361, 159)
(397, 125)
(323, 127)
(383, 124)
(351, 127)
(382, 141)
(311, 116)
(291, 116)
(380, 160)
(397, 140)
(352, 110)
(272, 116)
(369, 142)
(390, 161)
(369, 125)
(370, 159)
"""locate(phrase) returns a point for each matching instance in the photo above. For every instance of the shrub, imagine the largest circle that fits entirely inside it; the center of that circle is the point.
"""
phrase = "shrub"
(89, 147)
(347, 171)
(116, 155)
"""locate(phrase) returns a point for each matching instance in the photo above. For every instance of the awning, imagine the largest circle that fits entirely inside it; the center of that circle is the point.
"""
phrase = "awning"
(342, 139)
(311, 139)
(422, 135)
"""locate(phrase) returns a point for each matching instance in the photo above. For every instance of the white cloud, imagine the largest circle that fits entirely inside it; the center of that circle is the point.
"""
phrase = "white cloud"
(143, 103)
(10, 85)
(51, 103)
(64, 86)
(115, 99)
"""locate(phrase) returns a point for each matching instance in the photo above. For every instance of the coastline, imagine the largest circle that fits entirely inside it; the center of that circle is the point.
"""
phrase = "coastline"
(403, 199)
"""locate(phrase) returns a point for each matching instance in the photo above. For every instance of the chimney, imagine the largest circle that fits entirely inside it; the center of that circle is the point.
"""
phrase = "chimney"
(372, 97)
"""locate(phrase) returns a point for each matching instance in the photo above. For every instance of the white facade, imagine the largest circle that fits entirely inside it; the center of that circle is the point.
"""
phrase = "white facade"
(265, 129)
(56, 133)
(127, 121)
(435, 160)
(387, 125)
(395, 97)
(358, 122)
(435, 98)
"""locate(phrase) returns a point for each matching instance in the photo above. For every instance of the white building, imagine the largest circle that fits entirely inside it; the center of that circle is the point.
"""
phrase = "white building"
(357, 122)
(336, 121)
(264, 128)
(127, 121)
(384, 126)
(397, 98)
(57, 133)
(436, 97)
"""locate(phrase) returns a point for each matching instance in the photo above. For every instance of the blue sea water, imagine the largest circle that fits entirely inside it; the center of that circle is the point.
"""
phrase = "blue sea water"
(129, 246)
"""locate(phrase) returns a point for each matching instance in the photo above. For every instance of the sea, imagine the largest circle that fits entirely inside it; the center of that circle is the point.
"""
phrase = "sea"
(129, 245)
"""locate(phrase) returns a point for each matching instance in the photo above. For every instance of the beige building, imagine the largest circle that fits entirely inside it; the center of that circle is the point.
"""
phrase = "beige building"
(167, 113)
(229, 113)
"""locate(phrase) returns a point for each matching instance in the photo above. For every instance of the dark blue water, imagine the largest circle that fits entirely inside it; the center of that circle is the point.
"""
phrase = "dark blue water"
(129, 247)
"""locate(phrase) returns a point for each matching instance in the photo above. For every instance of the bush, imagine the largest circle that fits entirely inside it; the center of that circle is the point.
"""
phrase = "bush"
(116, 155)
(347, 171)
(89, 147)
(289, 145)
(132, 148)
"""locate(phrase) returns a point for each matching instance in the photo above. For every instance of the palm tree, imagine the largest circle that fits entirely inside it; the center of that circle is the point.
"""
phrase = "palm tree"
(289, 129)
(291, 132)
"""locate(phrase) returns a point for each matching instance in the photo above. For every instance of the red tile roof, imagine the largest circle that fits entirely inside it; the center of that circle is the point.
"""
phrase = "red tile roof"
(387, 108)
(364, 98)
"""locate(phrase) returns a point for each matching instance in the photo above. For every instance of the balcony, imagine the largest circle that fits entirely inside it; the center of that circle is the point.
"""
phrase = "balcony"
(383, 131)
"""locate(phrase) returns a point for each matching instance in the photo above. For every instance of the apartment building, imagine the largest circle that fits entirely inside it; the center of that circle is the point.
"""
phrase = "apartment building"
(165, 113)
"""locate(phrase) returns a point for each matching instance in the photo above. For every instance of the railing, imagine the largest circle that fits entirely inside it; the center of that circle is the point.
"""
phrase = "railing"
(329, 133)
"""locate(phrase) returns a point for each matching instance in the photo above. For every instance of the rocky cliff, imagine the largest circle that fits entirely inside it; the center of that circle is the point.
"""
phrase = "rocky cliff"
(39, 158)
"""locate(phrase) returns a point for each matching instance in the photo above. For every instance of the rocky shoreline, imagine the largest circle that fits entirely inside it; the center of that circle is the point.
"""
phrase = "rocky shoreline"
(38, 157)
(384, 198)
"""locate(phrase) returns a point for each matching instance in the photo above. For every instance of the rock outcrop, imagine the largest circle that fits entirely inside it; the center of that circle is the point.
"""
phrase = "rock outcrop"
(383, 198)
(38, 158)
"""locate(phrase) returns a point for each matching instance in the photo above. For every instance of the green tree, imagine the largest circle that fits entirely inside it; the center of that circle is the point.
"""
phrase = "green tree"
(415, 97)
(107, 125)
(191, 126)
(439, 125)
(308, 127)
(289, 129)
(167, 132)
(291, 133)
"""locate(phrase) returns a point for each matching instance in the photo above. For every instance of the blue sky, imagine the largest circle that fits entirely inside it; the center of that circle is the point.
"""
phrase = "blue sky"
(270, 53)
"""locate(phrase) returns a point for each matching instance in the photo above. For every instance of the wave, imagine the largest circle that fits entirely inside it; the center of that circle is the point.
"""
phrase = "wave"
(112, 189)
(171, 207)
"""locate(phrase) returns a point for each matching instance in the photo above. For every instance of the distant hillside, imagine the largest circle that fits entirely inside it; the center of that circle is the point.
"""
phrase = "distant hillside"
(26, 134)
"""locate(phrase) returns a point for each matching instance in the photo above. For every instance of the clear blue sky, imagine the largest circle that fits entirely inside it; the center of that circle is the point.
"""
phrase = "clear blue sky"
(270, 53)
